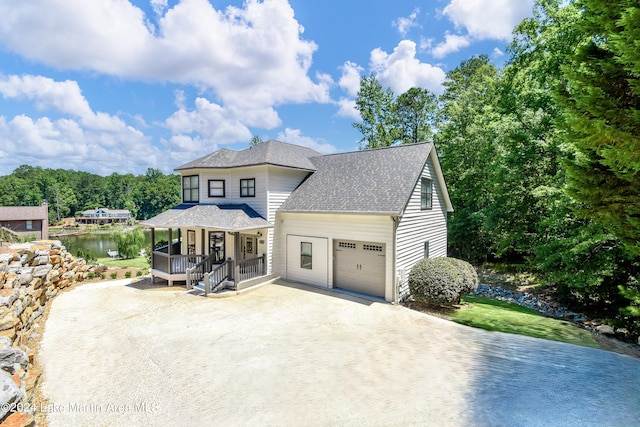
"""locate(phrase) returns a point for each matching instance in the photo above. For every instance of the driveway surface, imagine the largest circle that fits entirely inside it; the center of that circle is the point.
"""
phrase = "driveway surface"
(286, 354)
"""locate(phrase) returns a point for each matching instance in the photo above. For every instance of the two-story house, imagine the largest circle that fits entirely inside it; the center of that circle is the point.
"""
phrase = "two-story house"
(356, 221)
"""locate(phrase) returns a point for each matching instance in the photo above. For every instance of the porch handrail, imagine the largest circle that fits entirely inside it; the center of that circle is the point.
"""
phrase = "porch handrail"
(197, 272)
(218, 275)
(249, 268)
(174, 264)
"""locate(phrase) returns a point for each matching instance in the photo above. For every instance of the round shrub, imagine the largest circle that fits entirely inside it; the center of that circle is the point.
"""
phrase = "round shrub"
(441, 280)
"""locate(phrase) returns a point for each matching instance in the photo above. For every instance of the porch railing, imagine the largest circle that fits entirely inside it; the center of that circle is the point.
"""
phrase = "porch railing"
(174, 264)
(197, 272)
(214, 279)
(250, 268)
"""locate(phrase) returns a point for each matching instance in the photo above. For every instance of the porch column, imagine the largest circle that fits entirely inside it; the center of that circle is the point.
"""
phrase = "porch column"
(236, 249)
(153, 244)
(170, 248)
(203, 244)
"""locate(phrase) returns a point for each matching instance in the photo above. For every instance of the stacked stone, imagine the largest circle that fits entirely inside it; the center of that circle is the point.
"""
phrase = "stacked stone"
(30, 276)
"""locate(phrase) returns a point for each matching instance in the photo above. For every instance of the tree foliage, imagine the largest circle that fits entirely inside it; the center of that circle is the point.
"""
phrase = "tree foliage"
(69, 192)
(601, 102)
(129, 242)
(387, 120)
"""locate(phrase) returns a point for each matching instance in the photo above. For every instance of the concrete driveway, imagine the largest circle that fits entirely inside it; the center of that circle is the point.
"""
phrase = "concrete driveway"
(286, 354)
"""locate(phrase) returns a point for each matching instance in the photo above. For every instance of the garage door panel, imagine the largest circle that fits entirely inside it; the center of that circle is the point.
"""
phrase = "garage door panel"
(360, 267)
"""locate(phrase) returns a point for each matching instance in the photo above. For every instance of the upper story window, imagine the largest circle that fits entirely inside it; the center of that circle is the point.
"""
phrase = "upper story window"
(190, 189)
(216, 188)
(426, 194)
(248, 187)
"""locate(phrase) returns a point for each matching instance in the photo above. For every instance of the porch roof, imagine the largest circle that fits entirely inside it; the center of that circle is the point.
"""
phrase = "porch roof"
(229, 217)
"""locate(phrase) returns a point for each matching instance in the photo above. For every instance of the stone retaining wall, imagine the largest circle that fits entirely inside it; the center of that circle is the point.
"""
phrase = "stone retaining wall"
(31, 275)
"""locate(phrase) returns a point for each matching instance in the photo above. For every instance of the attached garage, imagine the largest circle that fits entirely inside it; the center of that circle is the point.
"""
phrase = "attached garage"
(359, 266)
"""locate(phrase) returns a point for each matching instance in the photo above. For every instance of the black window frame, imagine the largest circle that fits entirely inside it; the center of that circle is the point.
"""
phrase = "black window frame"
(217, 246)
(426, 249)
(426, 194)
(252, 187)
(190, 189)
(306, 260)
(224, 187)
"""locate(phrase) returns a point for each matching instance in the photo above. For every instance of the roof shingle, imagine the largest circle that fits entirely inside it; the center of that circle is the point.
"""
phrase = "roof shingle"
(368, 181)
(269, 152)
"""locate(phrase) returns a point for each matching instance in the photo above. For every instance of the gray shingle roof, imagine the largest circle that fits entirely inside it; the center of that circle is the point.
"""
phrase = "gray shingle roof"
(23, 213)
(269, 152)
(368, 181)
(231, 217)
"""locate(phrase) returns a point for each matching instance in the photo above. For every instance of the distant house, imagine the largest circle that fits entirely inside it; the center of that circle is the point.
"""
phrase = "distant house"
(26, 220)
(102, 216)
(358, 221)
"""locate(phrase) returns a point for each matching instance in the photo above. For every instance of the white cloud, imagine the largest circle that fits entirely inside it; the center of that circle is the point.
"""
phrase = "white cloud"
(497, 53)
(294, 136)
(350, 79)
(252, 58)
(488, 19)
(347, 108)
(159, 6)
(404, 24)
(452, 43)
(96, 140)
(401, 70)
(207, 123)
(66, 143)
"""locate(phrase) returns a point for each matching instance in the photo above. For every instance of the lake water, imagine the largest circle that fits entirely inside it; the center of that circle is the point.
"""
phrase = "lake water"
(99, 244)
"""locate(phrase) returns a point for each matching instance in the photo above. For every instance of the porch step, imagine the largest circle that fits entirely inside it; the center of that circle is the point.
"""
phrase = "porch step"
(222, 286)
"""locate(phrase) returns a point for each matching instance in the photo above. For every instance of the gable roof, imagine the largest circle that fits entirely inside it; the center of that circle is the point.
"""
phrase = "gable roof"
(270, 152)
(23, 213)
(378, 181)
(231, 217)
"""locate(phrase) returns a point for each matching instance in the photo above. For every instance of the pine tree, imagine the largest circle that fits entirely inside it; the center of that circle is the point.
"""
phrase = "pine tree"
(601, 100)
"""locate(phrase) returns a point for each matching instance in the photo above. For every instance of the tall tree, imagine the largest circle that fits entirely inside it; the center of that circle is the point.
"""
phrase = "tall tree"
(601, 102)
(415, 112)
(468, 127)
(376, 106)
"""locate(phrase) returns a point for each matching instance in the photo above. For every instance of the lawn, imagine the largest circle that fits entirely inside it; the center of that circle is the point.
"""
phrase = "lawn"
(494, 315)
(138, 262)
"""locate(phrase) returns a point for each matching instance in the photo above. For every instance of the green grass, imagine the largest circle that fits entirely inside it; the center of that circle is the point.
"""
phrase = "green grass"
(138, 262)
(494, 315)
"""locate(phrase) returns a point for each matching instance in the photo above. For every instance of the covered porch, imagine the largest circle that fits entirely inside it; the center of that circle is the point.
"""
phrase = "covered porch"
(210, 247)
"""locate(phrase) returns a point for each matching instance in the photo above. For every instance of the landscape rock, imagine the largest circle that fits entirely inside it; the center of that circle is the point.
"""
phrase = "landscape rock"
(9, 393)
(605, 330)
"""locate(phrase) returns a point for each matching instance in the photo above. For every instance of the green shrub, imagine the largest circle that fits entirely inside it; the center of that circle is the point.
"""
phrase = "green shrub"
(102, 276)
(127, 274)
(441, 280)
(91, 275)
(113, 274)
(138, 273)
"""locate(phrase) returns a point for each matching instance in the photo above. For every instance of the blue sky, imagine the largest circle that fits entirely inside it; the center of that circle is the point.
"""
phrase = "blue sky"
(120, 86)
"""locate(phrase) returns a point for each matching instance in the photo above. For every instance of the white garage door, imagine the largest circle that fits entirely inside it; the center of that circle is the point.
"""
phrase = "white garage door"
(359, 266)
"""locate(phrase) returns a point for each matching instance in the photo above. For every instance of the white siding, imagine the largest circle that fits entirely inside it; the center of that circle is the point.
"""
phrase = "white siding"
(367, 228)
(318, 274)
(273, 186)
(418, 226)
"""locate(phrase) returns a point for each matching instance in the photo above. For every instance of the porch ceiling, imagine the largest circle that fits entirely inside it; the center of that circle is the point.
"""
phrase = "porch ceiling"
(229, 217)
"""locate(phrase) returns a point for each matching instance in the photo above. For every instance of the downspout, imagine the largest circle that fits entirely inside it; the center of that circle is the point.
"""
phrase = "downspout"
(396, 296)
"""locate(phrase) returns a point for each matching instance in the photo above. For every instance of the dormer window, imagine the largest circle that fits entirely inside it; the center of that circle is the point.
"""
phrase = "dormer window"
(248, 187)
(190, 189)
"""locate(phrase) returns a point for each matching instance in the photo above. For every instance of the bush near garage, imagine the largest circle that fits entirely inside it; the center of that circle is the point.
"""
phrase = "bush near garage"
(442, 281)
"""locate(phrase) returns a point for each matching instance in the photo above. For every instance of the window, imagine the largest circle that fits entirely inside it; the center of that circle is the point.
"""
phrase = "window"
(305, 255)
(216, 246)
(426, 194)
(29, 224)
(216, 188)
(426, 249)
(248, 187)
(190, 189)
